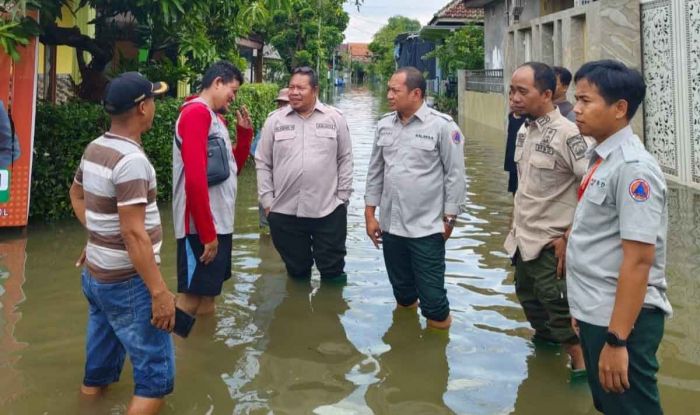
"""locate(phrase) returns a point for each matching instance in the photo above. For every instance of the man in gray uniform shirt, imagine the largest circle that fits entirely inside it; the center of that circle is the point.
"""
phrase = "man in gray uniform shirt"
(416, 177)
(616, 259)
(304, 165)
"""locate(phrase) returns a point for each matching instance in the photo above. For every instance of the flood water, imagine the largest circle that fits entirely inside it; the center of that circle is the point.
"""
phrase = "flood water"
(286, 347)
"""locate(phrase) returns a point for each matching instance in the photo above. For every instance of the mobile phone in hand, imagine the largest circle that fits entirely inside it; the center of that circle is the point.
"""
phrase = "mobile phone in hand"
(183, 323)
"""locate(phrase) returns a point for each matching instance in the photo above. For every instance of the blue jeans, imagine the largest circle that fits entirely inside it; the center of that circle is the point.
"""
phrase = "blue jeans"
(119, 322)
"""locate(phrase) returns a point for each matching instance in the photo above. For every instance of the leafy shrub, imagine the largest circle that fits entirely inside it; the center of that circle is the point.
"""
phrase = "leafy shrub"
(63, 131)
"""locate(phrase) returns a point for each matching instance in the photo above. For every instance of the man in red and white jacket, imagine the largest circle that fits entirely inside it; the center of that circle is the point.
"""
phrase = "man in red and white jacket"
(203, 210)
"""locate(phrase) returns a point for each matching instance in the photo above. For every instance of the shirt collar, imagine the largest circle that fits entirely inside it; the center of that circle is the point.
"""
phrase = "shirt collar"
(614, 141)
(113, 136)
(422, 114)
(319, 106)
(544, 120)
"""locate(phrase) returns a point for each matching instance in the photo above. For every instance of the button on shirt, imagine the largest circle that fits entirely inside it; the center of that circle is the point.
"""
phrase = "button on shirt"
(551, 158)
(304, 165)
(416, 173)
(625, 199)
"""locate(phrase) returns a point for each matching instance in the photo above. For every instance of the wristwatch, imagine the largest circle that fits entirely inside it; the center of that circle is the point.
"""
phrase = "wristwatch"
(450, 221)
(614, 340)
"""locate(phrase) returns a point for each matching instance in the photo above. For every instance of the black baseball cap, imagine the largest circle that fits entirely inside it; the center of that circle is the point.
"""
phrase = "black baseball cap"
(128, 89)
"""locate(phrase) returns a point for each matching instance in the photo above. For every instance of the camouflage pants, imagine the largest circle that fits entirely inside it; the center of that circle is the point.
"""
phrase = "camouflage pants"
(543, 297)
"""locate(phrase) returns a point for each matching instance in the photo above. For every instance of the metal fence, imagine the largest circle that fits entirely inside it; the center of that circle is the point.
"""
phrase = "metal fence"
(487, 80)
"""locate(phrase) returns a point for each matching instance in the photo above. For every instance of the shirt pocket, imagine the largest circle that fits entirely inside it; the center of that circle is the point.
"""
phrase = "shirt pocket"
(326, 133)
(518, 155)
(544, 179)
(285, 135)
(423, 144)
(386, 140)
(595, 195)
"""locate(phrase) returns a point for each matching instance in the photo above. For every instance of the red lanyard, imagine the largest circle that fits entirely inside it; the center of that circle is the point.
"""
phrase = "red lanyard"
(587, 178)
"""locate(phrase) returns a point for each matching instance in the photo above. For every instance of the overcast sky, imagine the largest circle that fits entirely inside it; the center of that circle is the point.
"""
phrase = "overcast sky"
(375, 13)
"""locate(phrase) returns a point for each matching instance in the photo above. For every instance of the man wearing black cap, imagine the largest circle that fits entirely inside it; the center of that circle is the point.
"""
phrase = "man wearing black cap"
(131, 310)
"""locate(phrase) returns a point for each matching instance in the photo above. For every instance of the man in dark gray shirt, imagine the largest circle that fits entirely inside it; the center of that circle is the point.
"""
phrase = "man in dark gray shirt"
(563, 80)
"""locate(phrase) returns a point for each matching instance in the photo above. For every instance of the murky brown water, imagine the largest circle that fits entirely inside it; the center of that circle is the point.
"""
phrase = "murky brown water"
(283, 347)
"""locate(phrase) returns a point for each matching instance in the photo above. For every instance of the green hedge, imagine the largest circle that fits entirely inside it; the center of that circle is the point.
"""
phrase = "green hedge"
(63, 131)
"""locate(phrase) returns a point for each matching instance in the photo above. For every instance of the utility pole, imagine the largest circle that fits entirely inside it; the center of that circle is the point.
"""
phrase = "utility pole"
(318, 55)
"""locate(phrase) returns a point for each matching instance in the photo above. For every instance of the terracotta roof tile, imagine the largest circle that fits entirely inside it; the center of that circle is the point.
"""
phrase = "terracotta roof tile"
(457, 10)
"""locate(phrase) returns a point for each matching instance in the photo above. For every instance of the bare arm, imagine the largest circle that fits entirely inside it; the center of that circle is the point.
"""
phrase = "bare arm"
(77, 200)
(138, 244)
(631, 286)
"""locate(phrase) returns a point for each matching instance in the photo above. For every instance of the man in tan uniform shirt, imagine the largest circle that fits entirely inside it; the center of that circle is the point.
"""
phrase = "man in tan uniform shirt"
(304, 169)
(551, 158)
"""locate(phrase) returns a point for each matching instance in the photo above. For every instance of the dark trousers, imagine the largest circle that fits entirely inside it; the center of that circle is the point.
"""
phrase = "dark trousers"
(303, 241)
(643, 396)
(543, 297)
(416, 268)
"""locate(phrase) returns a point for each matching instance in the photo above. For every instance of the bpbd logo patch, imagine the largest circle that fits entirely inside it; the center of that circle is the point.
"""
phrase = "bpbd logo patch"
(640, 190)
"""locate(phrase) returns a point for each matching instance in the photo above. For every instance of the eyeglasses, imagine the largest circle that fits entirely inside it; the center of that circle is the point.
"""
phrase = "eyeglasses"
(304, 70)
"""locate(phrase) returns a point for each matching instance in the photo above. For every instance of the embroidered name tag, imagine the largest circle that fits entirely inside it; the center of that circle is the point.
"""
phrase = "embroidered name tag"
(289, 127)
(544, 148)
(425, 137)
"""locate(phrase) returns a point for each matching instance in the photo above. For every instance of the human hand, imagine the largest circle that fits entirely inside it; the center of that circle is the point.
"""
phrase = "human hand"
(374, 231)
(243, 118)
(163, 310)
(559, 246)
(267, 212)
(209, 253)
(81, 259)
(612, 369)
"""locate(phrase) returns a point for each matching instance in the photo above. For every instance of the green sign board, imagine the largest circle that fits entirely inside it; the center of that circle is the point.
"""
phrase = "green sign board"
(4, 185)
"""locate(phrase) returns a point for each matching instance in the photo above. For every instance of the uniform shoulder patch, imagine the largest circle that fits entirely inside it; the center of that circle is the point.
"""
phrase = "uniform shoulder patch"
(578, 147)
(456, 136)
(640, 190)
(387, 114)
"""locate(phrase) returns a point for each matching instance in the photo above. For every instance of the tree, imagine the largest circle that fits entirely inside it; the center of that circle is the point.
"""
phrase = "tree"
(463, 49)
(382, 45)
(200, 30)
(296, 36)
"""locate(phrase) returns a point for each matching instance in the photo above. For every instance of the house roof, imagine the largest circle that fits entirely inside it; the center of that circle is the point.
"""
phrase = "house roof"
(457, 11)
(359, 50)
(476, 3)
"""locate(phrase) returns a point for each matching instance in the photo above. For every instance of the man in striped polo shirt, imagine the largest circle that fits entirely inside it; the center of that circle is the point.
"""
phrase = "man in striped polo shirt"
(131, 310)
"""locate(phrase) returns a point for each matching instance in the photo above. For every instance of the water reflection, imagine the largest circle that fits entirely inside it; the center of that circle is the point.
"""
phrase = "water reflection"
(12, 261)
(547, 384)
(428, 369)
(308, 353)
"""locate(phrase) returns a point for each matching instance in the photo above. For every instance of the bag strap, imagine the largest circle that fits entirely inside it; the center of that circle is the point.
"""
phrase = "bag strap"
(178, 143)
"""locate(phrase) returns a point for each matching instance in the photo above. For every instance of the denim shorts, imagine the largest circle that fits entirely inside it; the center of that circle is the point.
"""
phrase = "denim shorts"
(119, 322)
